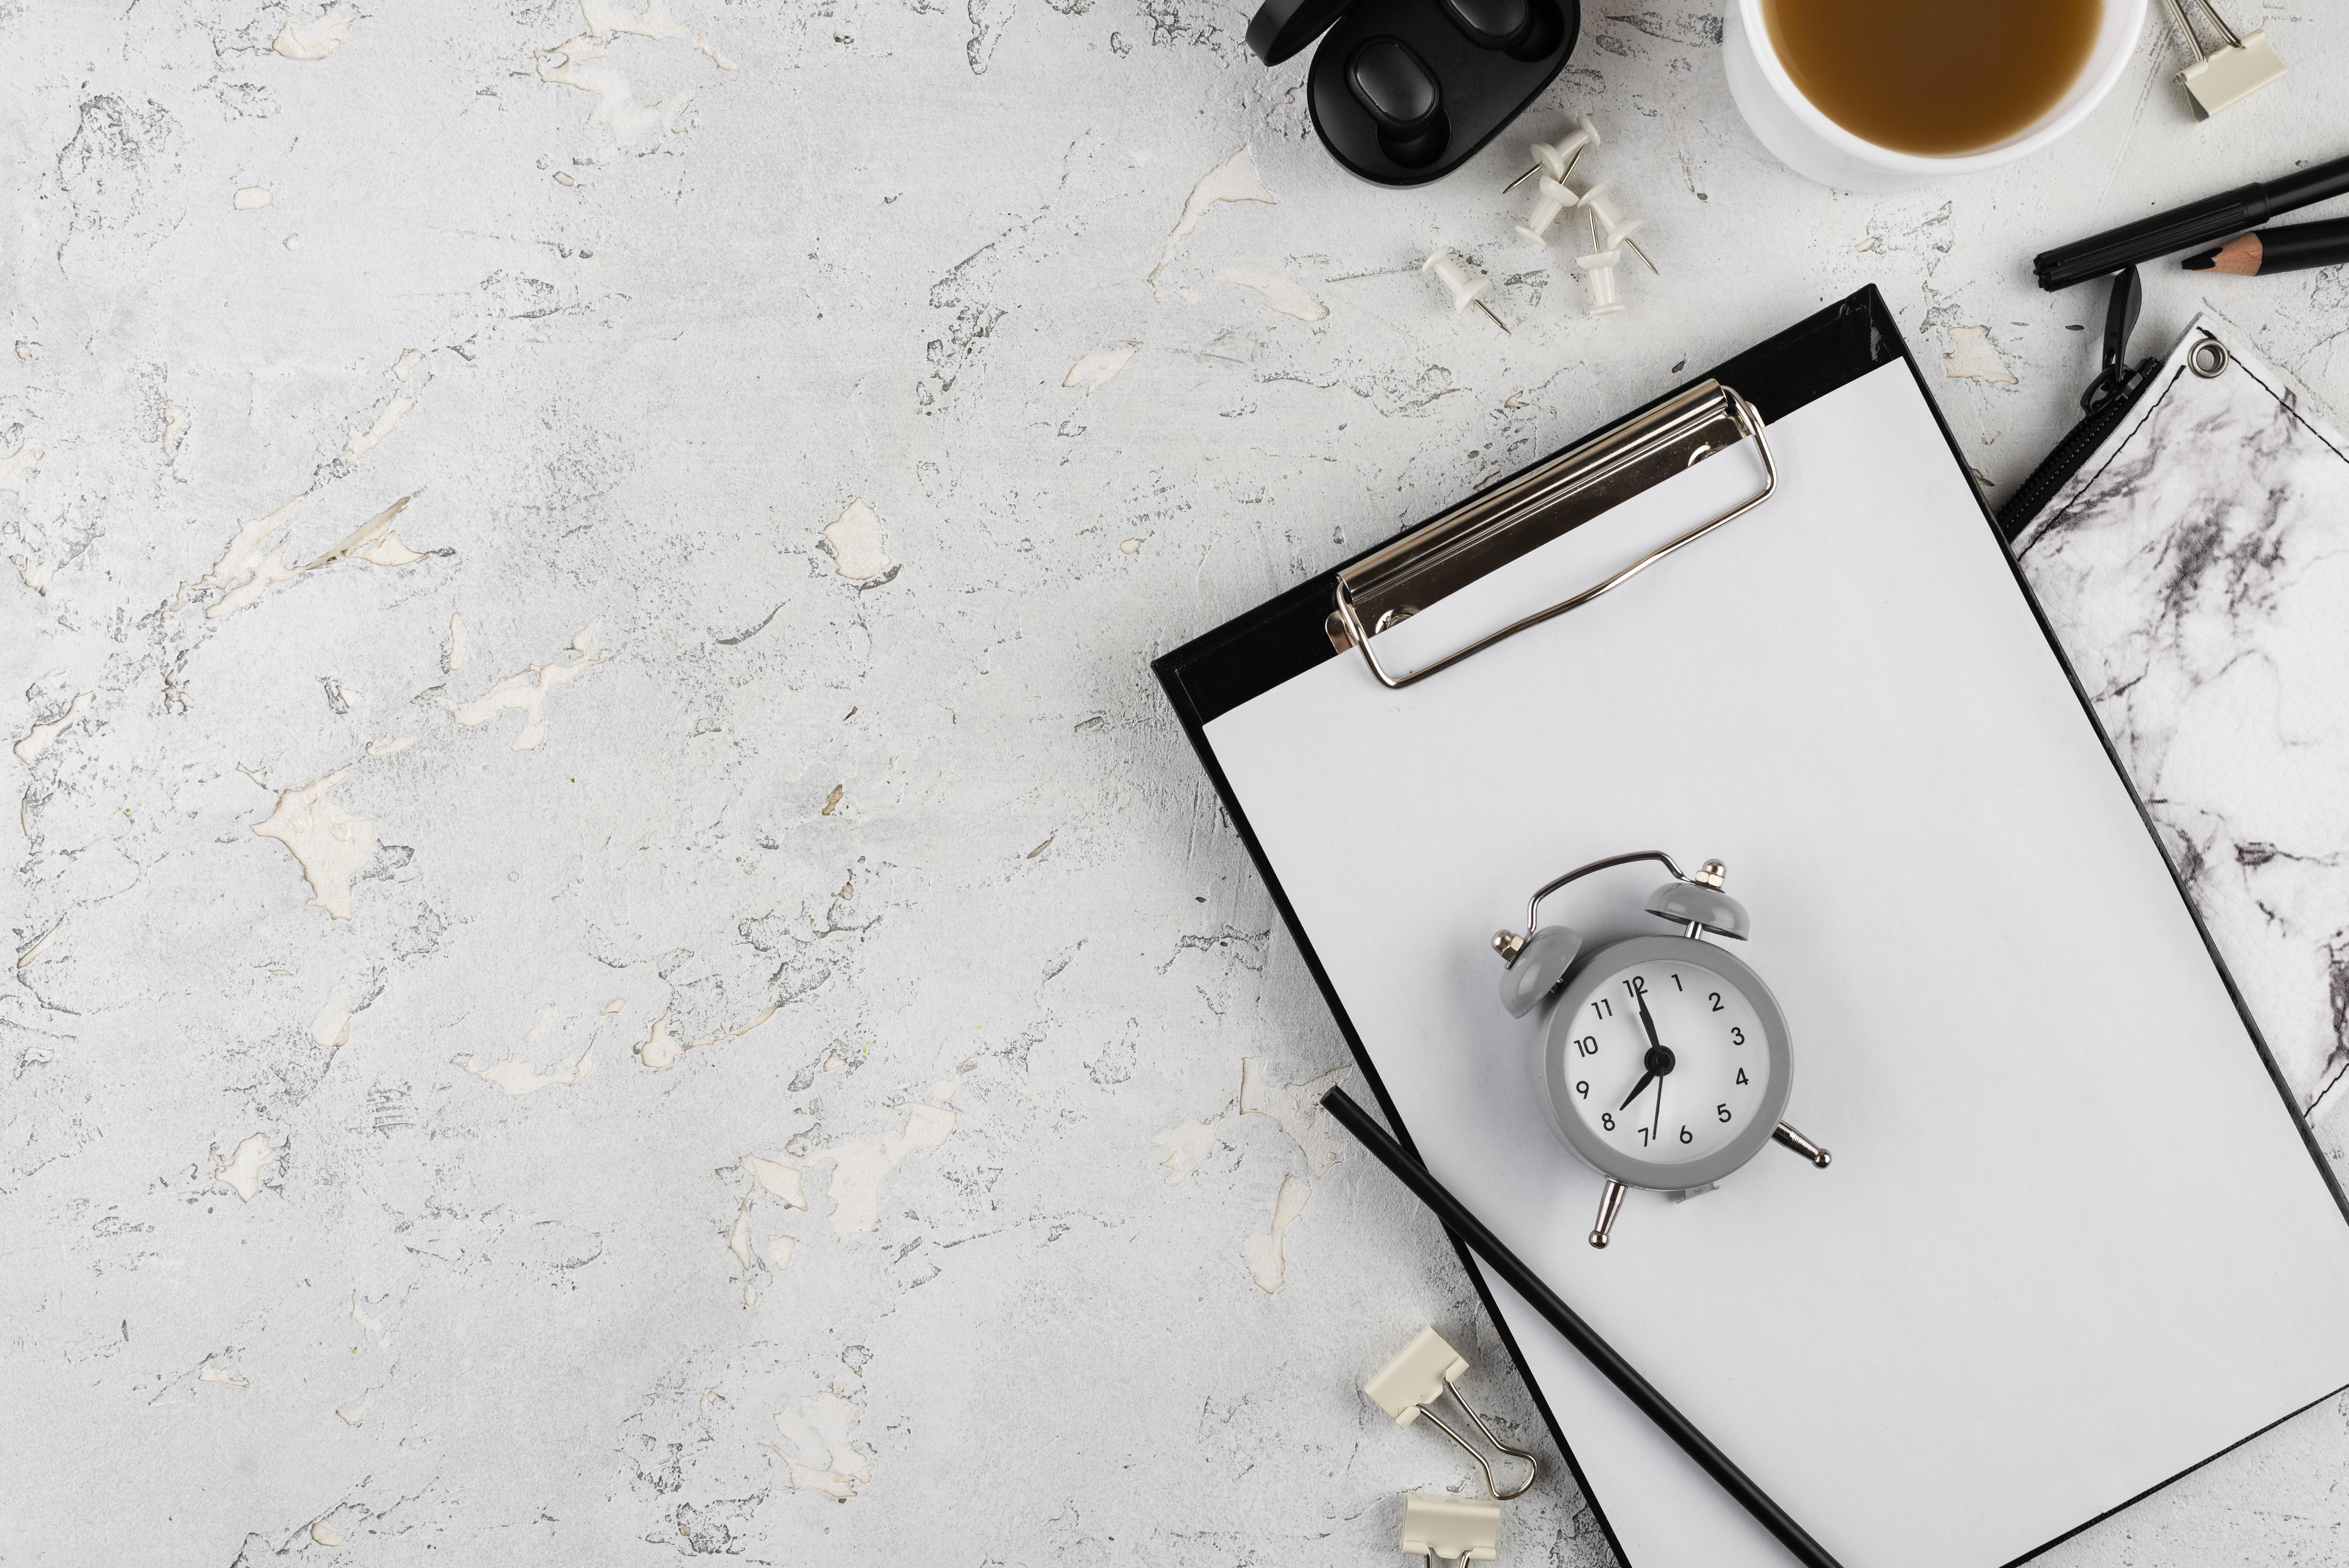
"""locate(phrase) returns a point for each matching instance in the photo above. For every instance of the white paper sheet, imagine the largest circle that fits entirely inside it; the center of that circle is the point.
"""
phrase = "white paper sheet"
(2072, 1242)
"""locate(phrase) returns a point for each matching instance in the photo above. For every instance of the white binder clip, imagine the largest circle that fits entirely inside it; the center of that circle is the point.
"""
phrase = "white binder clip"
(1609, 228)
(1408, 1386)
(1467, 288)
(2227, 75)
(1554, 199)
(1598, 282)
(1456, 1528)
(1556, 159)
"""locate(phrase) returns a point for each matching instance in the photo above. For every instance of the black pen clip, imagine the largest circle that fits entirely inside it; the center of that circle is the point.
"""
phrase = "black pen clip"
(2119, 378)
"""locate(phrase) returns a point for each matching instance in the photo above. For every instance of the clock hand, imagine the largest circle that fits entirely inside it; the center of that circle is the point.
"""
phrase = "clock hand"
(1659, 1059)
(1660, 1063)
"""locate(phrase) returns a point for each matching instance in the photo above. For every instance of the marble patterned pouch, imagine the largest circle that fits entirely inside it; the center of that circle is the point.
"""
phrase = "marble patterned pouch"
(2197, 571)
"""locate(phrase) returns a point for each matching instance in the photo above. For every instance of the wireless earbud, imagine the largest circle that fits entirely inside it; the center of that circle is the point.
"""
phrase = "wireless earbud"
(1491, 24)
(1405, 100)
(1395, 86)
(1402, 92)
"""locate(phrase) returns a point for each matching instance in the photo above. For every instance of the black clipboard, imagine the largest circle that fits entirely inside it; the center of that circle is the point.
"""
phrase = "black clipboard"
(1296, 631)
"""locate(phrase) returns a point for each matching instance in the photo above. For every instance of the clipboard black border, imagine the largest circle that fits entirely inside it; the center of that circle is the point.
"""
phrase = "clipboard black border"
(1283, 637)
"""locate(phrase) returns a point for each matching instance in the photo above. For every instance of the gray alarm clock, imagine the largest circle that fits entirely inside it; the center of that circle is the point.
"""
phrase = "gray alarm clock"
(1666, 1065)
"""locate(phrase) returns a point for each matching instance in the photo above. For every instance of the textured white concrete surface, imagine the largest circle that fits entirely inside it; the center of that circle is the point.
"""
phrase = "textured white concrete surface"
(616, 954)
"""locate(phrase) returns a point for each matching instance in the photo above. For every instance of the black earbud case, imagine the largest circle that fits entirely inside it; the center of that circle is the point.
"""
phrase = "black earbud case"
(1405, 92)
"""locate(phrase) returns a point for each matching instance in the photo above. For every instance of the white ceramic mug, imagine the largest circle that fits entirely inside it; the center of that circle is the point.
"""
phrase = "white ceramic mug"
(1811, 144)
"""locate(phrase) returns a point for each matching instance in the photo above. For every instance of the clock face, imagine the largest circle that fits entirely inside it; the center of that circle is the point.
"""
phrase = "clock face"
(1664, 1060)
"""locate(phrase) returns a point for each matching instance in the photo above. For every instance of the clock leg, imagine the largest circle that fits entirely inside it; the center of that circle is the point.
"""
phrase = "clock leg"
(1801, 1145)
(1609, 1201)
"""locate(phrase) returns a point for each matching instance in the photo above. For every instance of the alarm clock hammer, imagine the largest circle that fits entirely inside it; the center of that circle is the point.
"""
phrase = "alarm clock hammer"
(1729, 1061)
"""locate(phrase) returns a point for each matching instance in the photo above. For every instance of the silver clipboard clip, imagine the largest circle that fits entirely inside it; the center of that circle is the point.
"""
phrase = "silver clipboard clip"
(1488, 531)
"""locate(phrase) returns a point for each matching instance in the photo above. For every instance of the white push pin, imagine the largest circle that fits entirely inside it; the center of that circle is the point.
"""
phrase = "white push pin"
(1607, 217)
(1554, 199)
(1408, 1386)
(1556, 159)
(1615, 236)
(1456, 1528)
(1466, 288)
(1599, 282)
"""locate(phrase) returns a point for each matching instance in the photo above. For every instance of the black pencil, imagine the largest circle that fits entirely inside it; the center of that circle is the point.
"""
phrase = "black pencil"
(1579, 1333)
(2185, 228)
(2289, 249)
